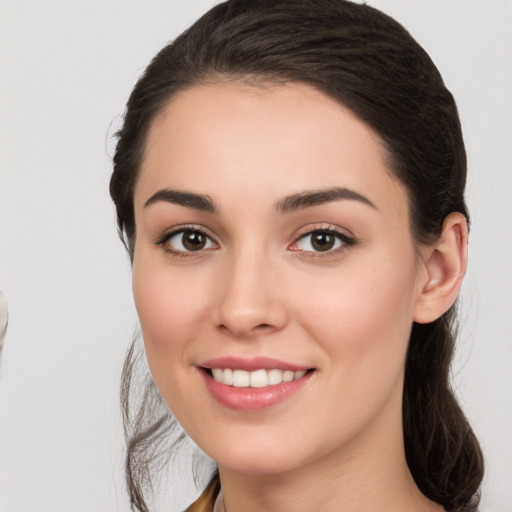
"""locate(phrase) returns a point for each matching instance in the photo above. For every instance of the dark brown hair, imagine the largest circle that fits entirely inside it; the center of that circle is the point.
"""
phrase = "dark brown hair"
(371, 64)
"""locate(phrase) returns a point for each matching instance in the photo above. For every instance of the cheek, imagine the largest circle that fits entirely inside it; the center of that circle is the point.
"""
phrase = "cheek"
(362, 322)
(171, 309)
(363, 319)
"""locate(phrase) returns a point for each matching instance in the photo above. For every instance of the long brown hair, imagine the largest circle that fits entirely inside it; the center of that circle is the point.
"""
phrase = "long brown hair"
(371, 64)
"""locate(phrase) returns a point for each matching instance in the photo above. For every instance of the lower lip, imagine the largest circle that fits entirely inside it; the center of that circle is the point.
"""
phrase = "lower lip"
(253, 399)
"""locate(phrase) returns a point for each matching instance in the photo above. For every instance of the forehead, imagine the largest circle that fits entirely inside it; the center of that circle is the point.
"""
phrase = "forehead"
(236, 140)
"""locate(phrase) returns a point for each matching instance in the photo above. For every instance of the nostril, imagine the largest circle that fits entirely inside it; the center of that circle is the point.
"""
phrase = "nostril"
(243, 330)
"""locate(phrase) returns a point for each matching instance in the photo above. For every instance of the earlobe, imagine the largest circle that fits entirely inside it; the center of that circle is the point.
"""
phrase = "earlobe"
(445, 265)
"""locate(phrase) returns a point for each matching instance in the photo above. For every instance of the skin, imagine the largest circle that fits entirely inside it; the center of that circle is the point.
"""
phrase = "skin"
(259, 289)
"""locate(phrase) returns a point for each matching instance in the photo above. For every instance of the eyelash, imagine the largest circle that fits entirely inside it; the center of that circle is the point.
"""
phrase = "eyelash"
(165, 237)
(345, 241)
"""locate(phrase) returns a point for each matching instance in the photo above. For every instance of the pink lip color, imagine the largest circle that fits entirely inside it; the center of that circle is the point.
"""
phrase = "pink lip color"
(251, 365)
(252, 399)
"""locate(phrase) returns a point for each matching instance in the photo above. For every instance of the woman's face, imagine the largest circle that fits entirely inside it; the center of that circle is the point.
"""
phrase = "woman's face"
(273, 243)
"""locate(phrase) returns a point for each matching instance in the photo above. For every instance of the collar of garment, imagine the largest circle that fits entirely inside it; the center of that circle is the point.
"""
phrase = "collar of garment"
(219, 503)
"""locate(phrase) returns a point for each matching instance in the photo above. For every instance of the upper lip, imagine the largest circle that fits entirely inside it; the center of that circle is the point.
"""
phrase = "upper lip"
(252, 364)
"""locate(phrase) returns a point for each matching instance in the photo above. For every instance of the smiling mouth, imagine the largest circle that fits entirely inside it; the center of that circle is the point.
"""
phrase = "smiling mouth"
(255, 379)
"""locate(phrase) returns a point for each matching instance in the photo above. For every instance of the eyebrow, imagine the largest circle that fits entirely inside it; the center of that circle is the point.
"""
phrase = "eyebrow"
(311, 198)
(200, 202)
(294, 202)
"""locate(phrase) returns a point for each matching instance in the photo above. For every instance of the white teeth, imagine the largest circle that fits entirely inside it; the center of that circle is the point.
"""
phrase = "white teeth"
(240, 379)
(256, 379)
(288, 376)
(275, 377)
(227, 377)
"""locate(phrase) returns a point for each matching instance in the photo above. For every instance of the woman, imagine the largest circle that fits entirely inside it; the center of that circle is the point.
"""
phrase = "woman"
(289, 183)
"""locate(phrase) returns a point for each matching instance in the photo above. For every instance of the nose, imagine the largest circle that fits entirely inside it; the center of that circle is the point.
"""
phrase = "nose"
(250, 300)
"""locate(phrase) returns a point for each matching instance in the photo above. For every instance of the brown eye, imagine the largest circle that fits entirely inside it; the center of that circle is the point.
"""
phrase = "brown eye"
(322, 240)
(193, 240)
(189, 241)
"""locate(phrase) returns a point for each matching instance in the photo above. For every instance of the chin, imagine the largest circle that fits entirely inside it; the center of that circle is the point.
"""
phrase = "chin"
(258, 465)
(264, 455)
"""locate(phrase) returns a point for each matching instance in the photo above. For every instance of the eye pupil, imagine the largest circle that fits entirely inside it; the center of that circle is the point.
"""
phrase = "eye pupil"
(322, 241)
(193, 240)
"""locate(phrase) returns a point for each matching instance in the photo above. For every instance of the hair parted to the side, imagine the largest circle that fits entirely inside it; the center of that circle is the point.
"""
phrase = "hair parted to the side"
(369, 63)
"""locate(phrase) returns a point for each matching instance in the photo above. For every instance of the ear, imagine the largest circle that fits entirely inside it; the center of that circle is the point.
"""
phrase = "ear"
(444, 266)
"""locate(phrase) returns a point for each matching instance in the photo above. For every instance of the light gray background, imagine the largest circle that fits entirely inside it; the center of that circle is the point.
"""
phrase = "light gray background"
(67, 68)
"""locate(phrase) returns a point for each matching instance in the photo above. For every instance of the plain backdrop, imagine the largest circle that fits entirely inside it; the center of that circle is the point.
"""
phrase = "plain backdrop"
(66, 69)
